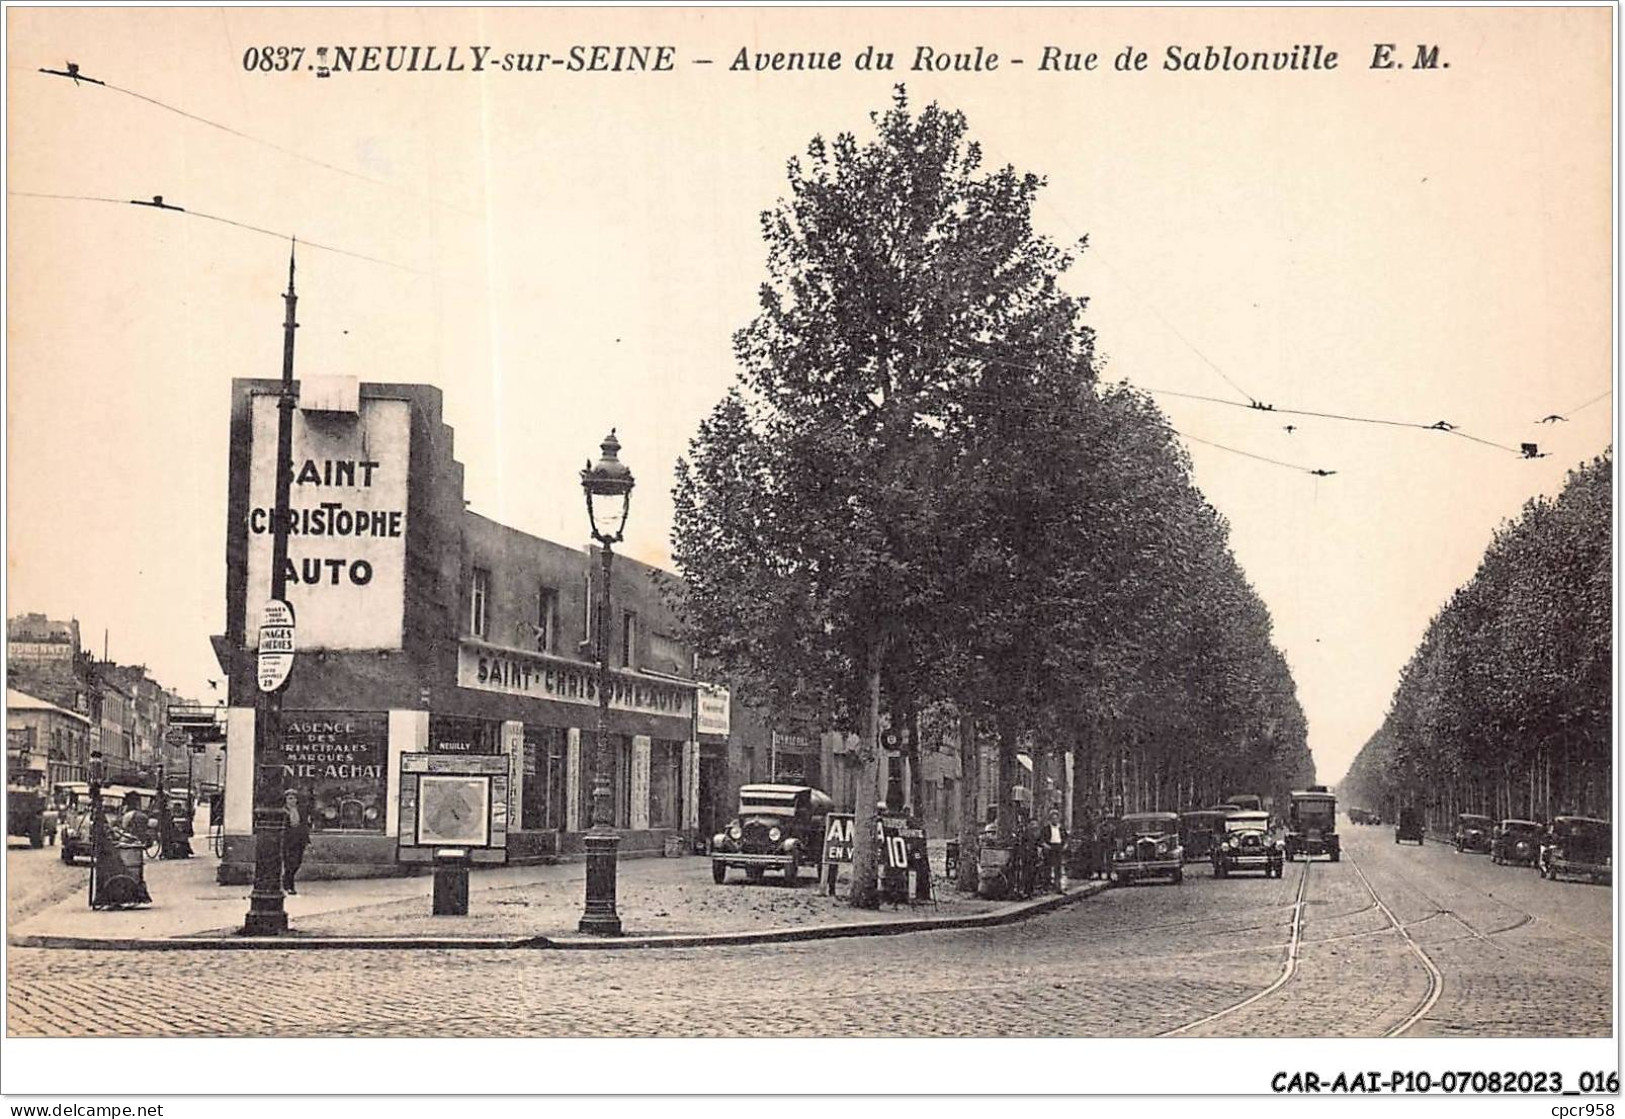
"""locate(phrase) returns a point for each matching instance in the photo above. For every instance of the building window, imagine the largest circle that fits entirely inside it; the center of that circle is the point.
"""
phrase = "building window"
(586, 614)
(479, 603)
(547, 613)
(629, 639)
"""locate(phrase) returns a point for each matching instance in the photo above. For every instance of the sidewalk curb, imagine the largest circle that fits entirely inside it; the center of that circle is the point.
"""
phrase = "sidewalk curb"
(295, 943)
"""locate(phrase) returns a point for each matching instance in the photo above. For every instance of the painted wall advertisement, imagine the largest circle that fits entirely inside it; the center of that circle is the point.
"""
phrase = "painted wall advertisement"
(347, 522)
(337, 763)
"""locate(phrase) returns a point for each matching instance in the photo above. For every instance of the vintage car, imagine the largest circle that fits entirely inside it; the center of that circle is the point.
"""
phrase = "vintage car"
(1311, 824)
(1147, 846)
(779, 827)
(76, 818)
(1201, 831)
(1363, 816)
(1516, 841)
(1473, 833)
(1248, 845)
(1579, 846)
(1411, 826)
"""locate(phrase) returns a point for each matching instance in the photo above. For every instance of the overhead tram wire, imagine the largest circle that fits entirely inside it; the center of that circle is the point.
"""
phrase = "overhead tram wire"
(72, 73)
(1441, 425)
(1253, 402)
(1044, 410)
(158, 203)
(1249, 454)
(1565, 414)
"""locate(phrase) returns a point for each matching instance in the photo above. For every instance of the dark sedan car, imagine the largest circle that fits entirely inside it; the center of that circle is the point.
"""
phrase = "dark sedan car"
(779, 827)
(1411, 827)
(1248, 845)
(1578, 846)
(1473, 833)
(1516, 842)
(1147, 846)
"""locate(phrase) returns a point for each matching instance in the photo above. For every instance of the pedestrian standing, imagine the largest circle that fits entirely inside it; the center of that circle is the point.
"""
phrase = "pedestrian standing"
(1054, 843)
(295, 836)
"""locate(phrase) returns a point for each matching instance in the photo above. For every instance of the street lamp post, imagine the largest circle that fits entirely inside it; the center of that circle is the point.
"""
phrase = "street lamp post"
(97, 772)
(266, 915)
(608, 487)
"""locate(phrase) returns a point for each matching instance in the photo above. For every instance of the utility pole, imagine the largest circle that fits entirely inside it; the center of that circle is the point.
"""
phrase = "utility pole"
(266, 915)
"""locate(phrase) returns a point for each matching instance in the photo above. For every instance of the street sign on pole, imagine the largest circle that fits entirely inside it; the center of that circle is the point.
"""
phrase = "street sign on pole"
(276, 645)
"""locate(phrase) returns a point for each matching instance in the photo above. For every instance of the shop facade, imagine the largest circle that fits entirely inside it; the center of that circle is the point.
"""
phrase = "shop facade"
(424, 627)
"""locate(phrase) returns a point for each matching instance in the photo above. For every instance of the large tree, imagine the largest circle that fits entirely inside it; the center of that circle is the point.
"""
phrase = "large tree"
(809, 504)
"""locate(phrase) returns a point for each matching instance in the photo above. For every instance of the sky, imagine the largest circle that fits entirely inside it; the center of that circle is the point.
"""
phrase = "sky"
(566, 252)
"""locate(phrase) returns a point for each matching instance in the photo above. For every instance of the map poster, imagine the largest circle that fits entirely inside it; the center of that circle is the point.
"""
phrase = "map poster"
(454, 810)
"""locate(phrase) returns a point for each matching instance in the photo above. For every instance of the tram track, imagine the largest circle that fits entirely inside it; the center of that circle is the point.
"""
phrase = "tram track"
(1435, 976)
(1298, 943)
(1287, 971)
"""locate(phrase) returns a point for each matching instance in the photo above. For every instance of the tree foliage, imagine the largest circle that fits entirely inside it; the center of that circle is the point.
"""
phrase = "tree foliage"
(917, 487)
(1505, 707)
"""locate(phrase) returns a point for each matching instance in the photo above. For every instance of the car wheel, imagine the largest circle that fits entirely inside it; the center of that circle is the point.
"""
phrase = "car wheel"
(792, 870)
(719, 872)
(1337, 856)
(67, 854)
(36, 838)
(1178, 875)
(1219, 870)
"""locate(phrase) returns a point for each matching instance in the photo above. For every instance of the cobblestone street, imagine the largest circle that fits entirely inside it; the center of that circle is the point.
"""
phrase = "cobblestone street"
(1516, 955)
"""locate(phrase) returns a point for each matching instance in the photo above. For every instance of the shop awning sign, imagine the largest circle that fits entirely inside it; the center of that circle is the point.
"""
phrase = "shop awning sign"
(276, 645)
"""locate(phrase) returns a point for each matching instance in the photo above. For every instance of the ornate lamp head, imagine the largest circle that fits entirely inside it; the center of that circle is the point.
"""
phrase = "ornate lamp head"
(608, 486)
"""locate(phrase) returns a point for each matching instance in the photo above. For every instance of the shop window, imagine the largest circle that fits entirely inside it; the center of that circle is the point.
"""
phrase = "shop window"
(543, 779)
(479, 603)
(337, 763)
(618, 762)
(455, 734)
(665, 784)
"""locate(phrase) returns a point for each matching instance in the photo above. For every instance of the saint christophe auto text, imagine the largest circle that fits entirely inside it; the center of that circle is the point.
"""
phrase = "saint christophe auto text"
(327, 61)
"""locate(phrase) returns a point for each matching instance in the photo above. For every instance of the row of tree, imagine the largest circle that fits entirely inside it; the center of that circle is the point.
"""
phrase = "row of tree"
(917, 497)
(1505, 708)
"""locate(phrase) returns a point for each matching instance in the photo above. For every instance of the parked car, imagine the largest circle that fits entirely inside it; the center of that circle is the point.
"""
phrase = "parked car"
(779, 827)
(1148, 847)
(1312, 824)
(1473, 833)
(1516, 842)
(1411, 826)
(1201, 831)
(1579, 846)
(1248, 845)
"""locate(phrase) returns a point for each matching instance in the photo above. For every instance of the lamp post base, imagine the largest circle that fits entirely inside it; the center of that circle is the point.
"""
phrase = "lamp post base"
(266, 917)
(599, 917)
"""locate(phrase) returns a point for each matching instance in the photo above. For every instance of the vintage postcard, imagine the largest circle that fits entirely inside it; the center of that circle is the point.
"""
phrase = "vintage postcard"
(547, 525)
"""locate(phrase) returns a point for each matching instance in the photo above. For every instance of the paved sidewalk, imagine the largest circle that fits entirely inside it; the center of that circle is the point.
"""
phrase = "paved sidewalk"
(661, 901)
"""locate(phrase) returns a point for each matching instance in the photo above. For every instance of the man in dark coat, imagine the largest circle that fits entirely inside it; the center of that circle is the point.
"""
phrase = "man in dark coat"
(295, 836)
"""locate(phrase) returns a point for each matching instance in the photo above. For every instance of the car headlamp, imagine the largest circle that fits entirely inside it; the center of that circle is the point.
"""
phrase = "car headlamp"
(734, 832)
(773, 834)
